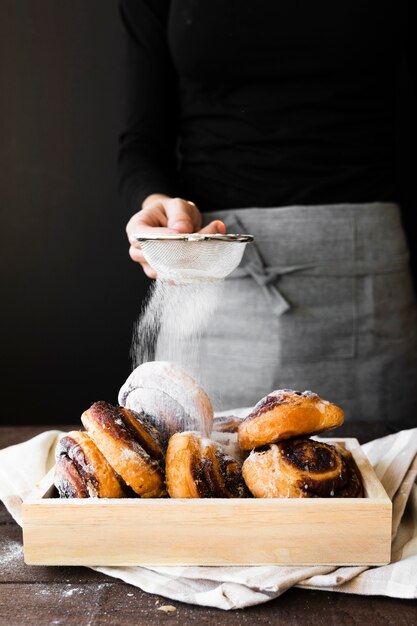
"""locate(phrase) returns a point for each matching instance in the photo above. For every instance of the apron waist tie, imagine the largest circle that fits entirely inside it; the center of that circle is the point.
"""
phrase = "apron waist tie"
(266, 278)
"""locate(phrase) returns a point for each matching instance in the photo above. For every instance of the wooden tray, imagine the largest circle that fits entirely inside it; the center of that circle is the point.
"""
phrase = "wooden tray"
(297, 531)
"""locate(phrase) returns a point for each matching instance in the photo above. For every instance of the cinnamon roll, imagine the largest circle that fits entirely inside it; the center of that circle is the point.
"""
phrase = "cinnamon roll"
(131, 445)
(301, 468)
(353, 487)
(286, 413)
(199, 468)
(227, 423)
(170, 398)
(81, 471)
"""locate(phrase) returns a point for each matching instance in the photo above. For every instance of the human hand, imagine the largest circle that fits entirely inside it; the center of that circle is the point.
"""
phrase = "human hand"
(163, 215)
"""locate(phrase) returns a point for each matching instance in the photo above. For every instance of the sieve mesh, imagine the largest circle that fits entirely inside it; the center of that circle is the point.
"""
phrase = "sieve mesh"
(187, 258)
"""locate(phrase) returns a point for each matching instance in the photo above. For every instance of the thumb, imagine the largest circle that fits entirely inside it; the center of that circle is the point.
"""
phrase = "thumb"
(214, 228)
(180, 215)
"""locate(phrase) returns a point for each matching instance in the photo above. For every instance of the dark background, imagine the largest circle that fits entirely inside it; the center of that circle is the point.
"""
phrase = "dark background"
(69, 292)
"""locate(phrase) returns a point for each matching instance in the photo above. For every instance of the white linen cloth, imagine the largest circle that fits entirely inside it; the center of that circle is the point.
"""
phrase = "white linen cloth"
(395, 460)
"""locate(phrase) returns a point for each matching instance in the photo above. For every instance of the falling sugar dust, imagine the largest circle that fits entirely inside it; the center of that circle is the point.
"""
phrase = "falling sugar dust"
(174, 317)
(191, 270)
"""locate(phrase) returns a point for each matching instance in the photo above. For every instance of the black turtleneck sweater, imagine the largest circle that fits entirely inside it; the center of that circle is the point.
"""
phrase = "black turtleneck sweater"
(238, 103)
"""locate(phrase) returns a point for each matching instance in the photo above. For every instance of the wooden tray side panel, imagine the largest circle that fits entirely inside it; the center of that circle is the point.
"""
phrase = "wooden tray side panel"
(208, 533)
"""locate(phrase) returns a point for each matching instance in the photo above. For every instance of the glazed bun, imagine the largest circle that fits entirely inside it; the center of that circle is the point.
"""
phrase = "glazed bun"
(286, 413)
(199, 468)
(81, 471)
(301, 468)
(170, 398)
(131, 445)
(226, 423)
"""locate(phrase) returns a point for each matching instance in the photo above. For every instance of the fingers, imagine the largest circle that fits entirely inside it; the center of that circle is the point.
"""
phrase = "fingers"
(152, 219)
(170, 215)
(182, 215)
(138, 256)
(140, 226)
(149, 271)
(164, 216)
(136, 253)
(216, 227)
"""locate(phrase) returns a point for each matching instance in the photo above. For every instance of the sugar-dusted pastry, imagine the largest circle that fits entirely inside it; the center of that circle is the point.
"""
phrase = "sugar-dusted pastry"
(197, 467)
(286, 413)
(81, 471)
(225, 433)
(131, 444)
(226, 423)
(301, 468)
(229, 444)
(169, 397)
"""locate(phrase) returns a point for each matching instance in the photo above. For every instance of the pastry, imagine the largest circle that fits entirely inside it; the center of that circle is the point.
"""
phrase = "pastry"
(169, 397)
(286, 413)
(199, 468)
(227, 423)
(131, 444)
(81, 471)
(225, 433)
(229, 444)
(353, 487)
(301, 468)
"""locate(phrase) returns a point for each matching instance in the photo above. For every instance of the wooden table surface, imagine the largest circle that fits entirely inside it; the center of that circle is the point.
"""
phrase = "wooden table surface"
(79, 596)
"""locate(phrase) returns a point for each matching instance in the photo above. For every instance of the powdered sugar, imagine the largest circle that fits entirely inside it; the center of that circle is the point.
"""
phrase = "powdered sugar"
(177, 312)
(172, 321)
(127, 453)
(172, 398)
(10, 551)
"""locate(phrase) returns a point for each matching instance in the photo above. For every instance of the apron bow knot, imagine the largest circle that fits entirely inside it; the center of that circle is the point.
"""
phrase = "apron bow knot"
(264, 276)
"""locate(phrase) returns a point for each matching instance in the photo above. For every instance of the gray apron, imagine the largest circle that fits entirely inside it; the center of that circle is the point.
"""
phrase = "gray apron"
(322, 300)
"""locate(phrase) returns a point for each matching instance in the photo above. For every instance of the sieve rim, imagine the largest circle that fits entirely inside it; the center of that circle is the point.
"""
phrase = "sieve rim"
(194, 237)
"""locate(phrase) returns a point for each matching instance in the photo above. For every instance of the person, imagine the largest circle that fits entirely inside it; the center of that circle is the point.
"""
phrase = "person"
(277, 119)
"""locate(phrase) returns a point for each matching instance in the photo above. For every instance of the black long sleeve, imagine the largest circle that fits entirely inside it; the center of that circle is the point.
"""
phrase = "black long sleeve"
(261, 103)
(411, 40)
(147, 161)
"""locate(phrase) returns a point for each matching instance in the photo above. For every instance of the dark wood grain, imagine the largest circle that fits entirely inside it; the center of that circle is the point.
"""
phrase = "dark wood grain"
(79, 596)
(112, 603)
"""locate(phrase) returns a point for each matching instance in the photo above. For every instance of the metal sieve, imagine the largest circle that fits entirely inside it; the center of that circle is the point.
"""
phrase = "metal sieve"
(194, 256)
